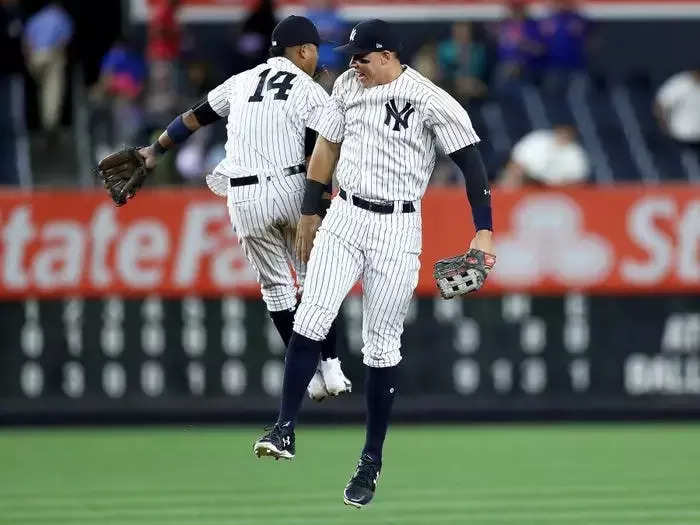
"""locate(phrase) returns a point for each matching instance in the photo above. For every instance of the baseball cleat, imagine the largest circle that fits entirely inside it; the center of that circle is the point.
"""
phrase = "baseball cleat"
(360, 489)
(335, 381)
(277, 443)
(317, 387)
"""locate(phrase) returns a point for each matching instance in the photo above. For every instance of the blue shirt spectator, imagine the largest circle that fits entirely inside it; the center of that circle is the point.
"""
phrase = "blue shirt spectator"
(123, 71)
(332, 30)
(49, 28)
(564, 32)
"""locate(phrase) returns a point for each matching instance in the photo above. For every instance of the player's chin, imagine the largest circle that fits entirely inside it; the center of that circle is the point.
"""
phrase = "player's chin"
(363, 79)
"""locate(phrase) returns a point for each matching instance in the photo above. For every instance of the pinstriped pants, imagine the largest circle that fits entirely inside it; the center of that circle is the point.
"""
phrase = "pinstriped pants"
(265, 217)
(382, 250)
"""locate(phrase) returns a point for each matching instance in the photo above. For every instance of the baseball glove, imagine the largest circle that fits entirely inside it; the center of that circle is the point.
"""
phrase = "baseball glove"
(463, 274)
(122, 173)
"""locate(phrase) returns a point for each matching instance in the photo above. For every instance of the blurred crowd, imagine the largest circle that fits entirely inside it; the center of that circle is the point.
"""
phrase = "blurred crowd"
(145, 78)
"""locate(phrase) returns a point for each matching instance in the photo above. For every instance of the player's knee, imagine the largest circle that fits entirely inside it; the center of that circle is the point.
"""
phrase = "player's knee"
(382, 350)
(313, 321)
(279, 296)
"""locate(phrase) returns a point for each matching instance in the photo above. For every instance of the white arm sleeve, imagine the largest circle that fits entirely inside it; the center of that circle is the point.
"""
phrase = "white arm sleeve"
(331, 124)
(219, 97)
(450, 123)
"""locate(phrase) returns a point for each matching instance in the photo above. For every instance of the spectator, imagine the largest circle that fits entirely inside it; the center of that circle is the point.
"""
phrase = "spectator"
(324, 15)
(118, 98)
(425, 61)
(254, 39)
(46, 38)
(520, 47)
(164, 32)
(14, 158)
(163, 51)
(677, 107)
(547, 157)
(564, 32)
(462, 63)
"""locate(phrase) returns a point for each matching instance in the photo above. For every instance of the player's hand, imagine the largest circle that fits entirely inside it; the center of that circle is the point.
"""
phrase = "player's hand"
(149, 157)
(306, 231)
(483, 241)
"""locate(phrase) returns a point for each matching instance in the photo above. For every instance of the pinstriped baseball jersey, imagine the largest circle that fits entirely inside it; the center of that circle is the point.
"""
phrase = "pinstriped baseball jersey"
(269, 108)
(390, 134)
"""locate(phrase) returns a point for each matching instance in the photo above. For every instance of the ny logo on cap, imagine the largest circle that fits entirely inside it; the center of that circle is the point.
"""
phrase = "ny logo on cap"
(400, 117)
(352, 34)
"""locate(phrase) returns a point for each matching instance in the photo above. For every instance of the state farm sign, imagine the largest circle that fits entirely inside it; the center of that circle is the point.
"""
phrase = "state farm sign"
(167, 242)
(179, 242)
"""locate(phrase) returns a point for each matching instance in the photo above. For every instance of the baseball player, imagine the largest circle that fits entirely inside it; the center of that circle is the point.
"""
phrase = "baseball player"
(390, 120)
(270, 109)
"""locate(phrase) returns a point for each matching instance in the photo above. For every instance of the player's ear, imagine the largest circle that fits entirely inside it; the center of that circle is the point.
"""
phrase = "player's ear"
(386, 57)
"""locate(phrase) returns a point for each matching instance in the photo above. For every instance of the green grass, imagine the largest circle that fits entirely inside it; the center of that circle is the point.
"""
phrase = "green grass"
(433, 475)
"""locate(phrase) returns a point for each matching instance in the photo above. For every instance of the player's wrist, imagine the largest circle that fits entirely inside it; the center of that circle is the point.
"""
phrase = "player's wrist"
(158, 149)
(313, 193)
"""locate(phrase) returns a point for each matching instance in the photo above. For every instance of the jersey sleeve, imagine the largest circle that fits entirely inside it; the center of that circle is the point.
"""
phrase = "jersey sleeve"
(450, 123)
(331, 124)
(219, 98)
(311, 106)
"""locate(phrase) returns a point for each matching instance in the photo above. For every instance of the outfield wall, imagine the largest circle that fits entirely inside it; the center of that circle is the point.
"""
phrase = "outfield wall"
(150, 312)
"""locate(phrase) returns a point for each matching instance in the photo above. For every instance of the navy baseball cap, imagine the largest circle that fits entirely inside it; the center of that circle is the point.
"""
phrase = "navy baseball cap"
(372, 35)
(295, 31)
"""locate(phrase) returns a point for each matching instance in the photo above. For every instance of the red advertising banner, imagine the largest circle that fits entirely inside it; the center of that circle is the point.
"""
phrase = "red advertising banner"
(623, 240)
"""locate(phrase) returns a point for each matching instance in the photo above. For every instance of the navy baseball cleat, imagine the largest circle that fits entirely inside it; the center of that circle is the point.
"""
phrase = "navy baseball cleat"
(360, 489)
(278, 442)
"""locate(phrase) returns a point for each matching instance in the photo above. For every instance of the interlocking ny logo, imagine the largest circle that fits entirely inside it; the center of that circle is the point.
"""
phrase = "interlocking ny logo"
(352, 34)
(400, 117)
(286, 441)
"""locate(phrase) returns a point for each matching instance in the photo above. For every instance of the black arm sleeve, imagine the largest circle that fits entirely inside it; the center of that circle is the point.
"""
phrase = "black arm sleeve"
(204, 112)
(468, 159)
(309, 143)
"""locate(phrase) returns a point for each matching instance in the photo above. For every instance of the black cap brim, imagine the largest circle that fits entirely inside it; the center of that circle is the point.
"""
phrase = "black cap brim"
(351, 48)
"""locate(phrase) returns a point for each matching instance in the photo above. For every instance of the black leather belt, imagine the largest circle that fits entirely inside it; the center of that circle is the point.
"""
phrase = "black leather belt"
(253, 179)
(377, 207)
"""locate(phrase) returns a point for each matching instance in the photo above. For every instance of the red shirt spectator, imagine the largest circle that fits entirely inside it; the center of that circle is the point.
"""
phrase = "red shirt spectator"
(164, 31)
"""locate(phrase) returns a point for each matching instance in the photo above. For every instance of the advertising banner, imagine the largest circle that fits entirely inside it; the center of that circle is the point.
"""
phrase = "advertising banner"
(175, 242)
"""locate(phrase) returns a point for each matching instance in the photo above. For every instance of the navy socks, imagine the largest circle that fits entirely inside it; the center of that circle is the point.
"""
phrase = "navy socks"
(380, 389)
(300, 365)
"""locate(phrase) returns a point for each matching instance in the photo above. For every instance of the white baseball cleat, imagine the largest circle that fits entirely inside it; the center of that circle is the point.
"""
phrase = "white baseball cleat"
(335, 381)
(317, 387)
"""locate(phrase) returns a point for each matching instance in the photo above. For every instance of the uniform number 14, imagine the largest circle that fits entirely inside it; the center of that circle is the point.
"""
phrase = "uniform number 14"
(282, 82)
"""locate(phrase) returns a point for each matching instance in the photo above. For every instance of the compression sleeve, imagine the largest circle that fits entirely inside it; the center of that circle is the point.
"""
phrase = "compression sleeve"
(205, 113)
(468, 159)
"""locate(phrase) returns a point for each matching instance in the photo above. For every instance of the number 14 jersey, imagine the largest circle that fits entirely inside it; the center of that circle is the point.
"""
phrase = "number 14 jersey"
(269, 108)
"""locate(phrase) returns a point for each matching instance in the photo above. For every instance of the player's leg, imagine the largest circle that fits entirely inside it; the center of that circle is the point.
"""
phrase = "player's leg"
(265, 248)
(333, 268)
(329, 379)
(389, 279)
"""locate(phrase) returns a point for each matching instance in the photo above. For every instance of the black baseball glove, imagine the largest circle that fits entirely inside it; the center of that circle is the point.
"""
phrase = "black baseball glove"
(464, 273)
(122, 173)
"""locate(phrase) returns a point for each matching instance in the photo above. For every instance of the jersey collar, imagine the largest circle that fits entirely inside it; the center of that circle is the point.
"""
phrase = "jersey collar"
(286, 64)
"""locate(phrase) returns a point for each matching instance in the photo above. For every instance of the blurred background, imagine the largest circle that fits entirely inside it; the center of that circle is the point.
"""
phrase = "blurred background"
(589, 115)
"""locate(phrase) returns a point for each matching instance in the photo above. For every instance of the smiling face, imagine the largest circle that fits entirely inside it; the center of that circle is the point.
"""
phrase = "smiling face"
(369, 67)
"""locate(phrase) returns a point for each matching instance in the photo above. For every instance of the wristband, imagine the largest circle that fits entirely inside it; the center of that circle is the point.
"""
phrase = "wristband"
(313, 192)
(177, 131)
(158, 148)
